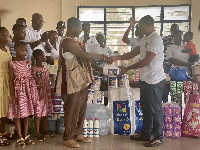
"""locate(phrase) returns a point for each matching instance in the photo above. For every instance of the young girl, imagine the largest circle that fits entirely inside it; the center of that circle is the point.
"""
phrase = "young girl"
(41, 76)
(5, 58)
(24, 99)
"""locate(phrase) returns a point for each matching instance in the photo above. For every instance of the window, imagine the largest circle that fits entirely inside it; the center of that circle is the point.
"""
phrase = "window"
(114, 21)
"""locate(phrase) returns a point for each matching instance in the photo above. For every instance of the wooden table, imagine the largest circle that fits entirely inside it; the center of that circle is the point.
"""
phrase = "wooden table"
(104, 86)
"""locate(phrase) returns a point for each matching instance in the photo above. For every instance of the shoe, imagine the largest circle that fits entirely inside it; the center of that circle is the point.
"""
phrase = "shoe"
(71, 143)
(83, 139)
(153, 143)
(39, 137)
(139, 137)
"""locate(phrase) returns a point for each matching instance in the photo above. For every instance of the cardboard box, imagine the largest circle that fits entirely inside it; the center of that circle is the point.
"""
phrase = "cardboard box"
(195, 70)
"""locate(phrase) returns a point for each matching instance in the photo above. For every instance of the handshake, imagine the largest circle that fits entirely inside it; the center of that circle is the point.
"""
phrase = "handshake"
(110, 60)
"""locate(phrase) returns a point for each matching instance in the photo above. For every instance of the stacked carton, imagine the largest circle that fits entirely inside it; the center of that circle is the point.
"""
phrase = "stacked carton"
(176, 90)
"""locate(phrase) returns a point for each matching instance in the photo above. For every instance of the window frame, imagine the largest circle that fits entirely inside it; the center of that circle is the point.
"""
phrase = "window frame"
(162, 21)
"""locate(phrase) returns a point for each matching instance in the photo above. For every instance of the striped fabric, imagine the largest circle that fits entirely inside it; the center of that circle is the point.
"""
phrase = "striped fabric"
(25, 91)
(42, 75)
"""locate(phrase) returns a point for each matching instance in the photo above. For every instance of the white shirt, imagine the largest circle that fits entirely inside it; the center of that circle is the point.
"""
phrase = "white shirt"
(34, 35)
(59, 38)
(91, 40)
(134, 42)
(54, 52)
(106, 51)
(174, 51)
(154, 72)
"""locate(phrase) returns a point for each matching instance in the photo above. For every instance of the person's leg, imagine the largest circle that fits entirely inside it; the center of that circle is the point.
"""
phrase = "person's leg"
(147, 116)
(26, 125)
(2, 125)
(18, 127)
(71, 115)
(155, 97)
(37, 124)
(83, 107)
(44, 122)
(165, 97)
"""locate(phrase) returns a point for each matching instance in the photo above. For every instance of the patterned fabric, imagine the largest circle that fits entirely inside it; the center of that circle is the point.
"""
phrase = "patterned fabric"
(5, 58)
(66, 82)
(44, 92)
(29, 52)
(167, 41)
(25, 91)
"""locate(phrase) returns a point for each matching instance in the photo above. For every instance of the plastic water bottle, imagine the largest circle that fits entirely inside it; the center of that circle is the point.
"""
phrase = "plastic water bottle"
(96, 128)
(85, 127)
(90, 128)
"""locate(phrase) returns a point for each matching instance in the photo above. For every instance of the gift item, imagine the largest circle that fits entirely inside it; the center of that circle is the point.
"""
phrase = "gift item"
(90, 96)
(191, 118)
(112, 82)
(111, 70)
(96, 83)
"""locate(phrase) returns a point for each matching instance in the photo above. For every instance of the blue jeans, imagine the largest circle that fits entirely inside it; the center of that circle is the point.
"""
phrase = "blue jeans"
(151, 105)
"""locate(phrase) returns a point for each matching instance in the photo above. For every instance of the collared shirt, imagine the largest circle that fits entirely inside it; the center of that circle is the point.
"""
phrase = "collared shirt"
(174, 51)
(134, 42)
(29, 52)
(91, 40)
(154, 72)
(34, 35)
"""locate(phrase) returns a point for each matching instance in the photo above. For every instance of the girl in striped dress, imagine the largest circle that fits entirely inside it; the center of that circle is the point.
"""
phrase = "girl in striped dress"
(41, 76)
(24, 99)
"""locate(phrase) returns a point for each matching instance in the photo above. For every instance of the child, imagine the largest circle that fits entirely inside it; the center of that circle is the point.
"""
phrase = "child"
(41, 76)
(5, 58)
(190, 48)
(24, 99)
(21, 21)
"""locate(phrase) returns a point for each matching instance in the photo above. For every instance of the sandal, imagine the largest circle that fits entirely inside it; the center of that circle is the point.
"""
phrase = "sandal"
(139, 137)
(153, 143)
(21, 143)
(28, 141)
(48, 133)
(4, 141)
(39, 137)
(8, 135)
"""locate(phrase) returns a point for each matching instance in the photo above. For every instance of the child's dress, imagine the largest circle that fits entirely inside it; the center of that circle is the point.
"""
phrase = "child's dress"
(44, 91)
(5, 58)
(25, 91)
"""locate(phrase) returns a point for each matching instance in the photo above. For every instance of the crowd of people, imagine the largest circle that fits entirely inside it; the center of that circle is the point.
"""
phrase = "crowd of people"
(24, 84)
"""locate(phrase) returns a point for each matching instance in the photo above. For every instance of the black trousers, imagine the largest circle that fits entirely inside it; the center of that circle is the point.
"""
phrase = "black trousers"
(151, 105)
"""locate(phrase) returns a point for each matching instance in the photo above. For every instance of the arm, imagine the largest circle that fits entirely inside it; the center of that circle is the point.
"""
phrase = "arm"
(96, 67)
(125, 37)
(178, 62)
(11, 85)
(77, 51)
(186, 51)
(44, 38)
(127, 56)
(47, 47)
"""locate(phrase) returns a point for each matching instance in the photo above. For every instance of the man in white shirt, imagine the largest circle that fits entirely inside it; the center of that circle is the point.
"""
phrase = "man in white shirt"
(152, 80)
(86, 38)
(35, 36)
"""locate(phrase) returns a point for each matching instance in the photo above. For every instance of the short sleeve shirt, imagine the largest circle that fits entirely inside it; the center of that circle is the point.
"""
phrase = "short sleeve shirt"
(34, 35)
(29, 52)
(190, 45)
(174, 51)
(154, 72)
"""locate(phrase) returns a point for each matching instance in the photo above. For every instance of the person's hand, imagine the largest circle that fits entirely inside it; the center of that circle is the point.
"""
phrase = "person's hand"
(132, 23)
(108, 60)
(15, 100)
(123, 70)
(45, 36)
(113, 58)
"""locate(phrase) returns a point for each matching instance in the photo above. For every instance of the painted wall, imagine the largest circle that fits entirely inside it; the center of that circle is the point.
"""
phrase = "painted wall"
(56, 10)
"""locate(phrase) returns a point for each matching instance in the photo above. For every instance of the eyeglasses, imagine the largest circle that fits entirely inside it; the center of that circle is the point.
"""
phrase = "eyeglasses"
(39, 21)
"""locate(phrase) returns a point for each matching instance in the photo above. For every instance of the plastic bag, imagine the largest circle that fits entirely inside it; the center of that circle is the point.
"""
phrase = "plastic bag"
(177, 74)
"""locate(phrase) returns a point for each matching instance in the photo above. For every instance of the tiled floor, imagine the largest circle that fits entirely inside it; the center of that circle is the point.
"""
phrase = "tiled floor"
(110, 142)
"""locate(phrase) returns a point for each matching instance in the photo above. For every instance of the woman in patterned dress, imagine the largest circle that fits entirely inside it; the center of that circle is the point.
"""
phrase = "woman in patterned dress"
(24, 99)
(41, 76)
